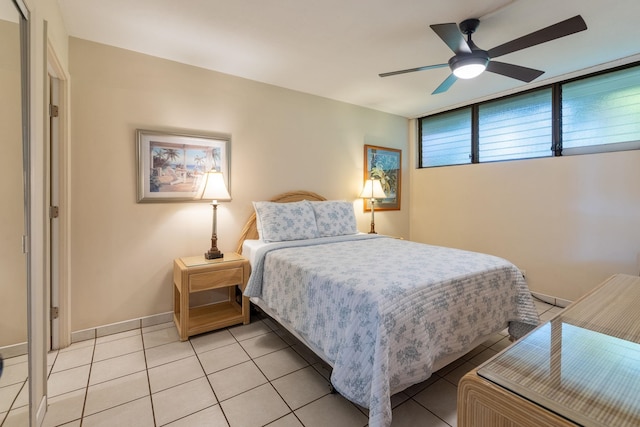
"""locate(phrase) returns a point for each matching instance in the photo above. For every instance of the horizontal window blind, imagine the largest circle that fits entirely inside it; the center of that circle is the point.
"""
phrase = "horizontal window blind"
(446, 139)
(602, 110)
(516, 127)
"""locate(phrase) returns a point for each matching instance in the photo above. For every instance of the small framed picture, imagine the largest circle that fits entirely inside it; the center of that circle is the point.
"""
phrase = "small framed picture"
(384, 164)
(171, 165)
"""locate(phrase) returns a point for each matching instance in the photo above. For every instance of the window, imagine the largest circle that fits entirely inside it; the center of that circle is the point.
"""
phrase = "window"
(595, 113)
(516, 127)
(601, 110)
(445, 139)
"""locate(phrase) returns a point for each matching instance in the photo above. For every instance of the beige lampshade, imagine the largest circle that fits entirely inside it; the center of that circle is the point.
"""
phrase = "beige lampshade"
(213, 187)
(372, 190)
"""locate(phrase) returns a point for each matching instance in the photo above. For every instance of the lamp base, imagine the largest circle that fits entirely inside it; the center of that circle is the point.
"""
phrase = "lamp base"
(213, 255)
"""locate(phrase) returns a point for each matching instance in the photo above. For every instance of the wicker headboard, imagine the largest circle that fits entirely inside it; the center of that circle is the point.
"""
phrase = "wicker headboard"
(251, 232)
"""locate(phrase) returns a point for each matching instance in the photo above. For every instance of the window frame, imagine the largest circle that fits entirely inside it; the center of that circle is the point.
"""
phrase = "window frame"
(556, 147)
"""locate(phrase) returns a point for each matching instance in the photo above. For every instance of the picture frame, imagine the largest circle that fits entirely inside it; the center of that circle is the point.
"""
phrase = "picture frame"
(385, 164)
(171, 165)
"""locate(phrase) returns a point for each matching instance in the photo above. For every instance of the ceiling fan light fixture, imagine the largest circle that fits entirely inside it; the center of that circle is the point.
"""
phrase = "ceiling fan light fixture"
(469, 71)
(468, 66)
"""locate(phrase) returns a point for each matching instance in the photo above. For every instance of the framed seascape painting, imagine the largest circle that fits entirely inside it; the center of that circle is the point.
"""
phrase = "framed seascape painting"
(171, 165)
(384, 164)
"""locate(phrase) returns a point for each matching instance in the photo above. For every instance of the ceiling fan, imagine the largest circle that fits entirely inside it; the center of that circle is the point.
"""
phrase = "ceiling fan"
(470, 61)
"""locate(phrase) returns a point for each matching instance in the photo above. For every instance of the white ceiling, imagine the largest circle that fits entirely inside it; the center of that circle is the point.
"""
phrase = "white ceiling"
(337, 48)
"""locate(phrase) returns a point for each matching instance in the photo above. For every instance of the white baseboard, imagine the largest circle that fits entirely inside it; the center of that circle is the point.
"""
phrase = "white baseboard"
(127, 325)
(14, 350)
(551, 299)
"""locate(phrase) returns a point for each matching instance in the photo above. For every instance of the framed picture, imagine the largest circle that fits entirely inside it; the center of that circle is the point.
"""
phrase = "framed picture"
(384, 164)
(171, 165)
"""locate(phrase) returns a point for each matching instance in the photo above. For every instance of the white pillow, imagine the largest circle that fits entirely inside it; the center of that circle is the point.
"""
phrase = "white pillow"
(335, 218)
(277, 222)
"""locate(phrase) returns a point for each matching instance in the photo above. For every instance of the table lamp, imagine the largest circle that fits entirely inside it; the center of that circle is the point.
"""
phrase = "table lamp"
(372, 190)
(213, 187)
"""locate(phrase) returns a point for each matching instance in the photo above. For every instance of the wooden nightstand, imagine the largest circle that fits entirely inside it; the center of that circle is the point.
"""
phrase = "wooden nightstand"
(197, 274)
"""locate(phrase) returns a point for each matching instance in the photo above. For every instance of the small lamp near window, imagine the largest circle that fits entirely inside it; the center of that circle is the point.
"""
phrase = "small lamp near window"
(372, 190)
(213, 187)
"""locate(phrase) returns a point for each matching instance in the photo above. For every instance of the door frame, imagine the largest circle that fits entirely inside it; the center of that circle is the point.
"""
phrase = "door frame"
(58, 230)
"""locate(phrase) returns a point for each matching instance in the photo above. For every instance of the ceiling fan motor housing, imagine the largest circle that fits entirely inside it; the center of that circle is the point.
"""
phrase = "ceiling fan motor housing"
(469, 26)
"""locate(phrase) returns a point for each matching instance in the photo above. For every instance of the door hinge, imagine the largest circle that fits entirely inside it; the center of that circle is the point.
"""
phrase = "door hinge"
(55, 313)
(54, 212)
(53, 110)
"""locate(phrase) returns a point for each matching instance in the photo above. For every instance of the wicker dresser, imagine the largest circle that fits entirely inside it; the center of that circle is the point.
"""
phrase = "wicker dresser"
(580, 368)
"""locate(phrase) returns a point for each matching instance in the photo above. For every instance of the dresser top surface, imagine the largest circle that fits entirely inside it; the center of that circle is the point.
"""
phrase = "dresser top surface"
(583, 364)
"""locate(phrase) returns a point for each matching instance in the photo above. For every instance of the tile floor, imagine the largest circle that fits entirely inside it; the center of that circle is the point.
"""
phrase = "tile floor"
(243, 376)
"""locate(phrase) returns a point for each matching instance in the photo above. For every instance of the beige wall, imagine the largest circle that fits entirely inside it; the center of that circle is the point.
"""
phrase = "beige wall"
(570, 222)
(122, 251)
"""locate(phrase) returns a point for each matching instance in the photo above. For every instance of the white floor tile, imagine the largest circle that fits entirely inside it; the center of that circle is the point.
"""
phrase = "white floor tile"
(182, 378)
(454, 376)
(116, 392)
(483, 357)
(80, 344)
(17, 417)
(209, 417)
(411, 414)
(222, 358)
(186, 399)
(254, 408)
(132, 414)
(160, 337)
(286, 421)
(306, 354)
(16, 360)
(14, 374)
(211, 341)
(8, 395)
(117, 367)
(399, 398)
(116, 348)
(69, 380)
(324, 370)
(440, 398)
(174, 373)
(166, 353)
(263, 344)
(236, 379)
(417, 388)
(301, 387)
(331, 410)
(64, 408)
(23, 397)
(251, 330)
(279, 363)
(73, 359)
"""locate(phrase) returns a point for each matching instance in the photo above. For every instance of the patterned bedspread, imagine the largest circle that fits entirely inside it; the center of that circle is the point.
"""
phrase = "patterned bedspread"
(382, 310)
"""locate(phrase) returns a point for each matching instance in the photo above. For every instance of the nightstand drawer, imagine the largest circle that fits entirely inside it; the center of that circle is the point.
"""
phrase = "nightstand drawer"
(215, 279)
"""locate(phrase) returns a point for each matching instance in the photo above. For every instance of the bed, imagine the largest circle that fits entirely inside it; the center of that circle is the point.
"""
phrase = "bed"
(385, 313)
